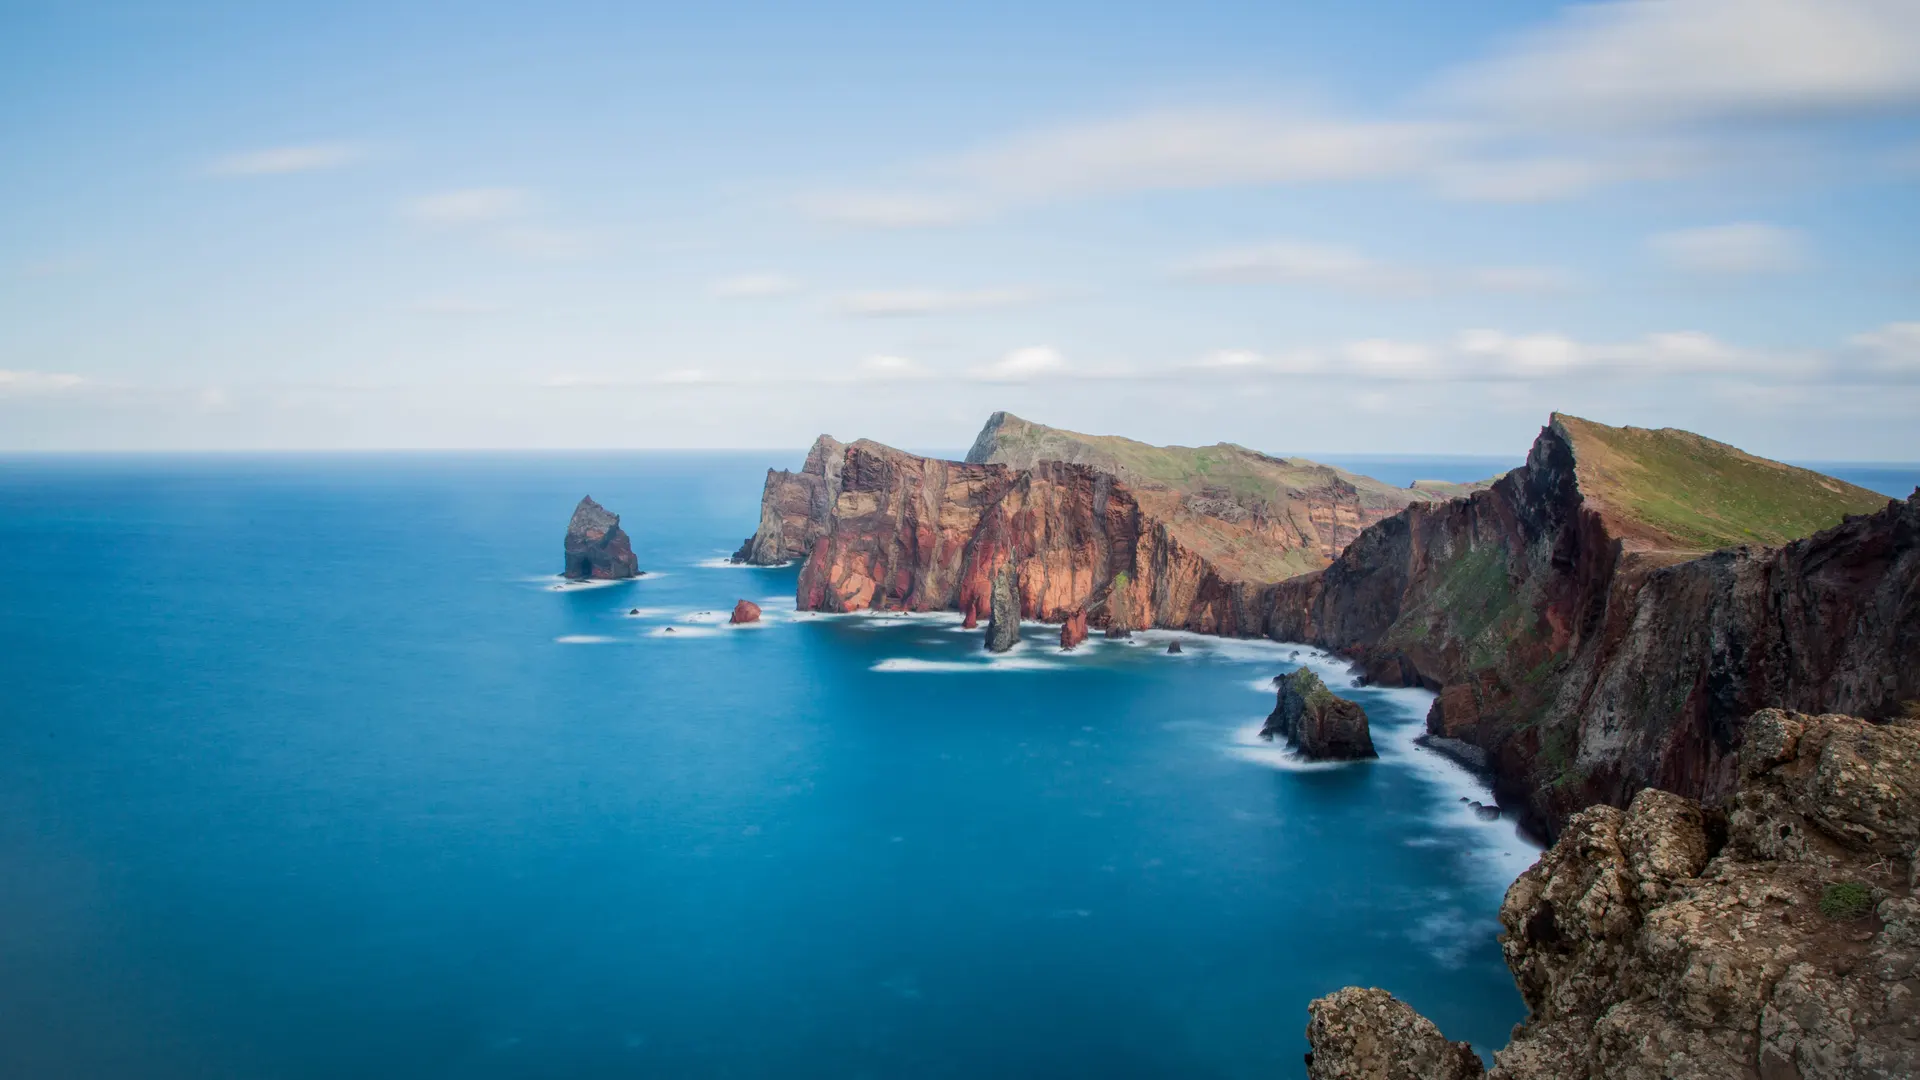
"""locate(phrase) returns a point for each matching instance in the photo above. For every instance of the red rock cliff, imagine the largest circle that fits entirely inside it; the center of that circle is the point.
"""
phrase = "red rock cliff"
(794, 507)
(1575, 638)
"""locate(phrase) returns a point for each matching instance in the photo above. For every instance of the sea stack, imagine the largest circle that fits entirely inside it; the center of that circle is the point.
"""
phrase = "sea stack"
(1324, 726)
(1173, 648)
(1074, 630)
(746, 611)
(1003, 620)
(1119, 616)
(596, 547)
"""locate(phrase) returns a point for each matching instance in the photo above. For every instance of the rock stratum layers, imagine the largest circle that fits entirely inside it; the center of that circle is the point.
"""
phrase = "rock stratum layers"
(1580, 630)
(1323, 725)
(596, 547)
(1132, 535)
(1774, 935)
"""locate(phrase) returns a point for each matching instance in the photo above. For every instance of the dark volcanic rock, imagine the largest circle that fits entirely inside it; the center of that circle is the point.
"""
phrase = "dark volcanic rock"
(596, 547)
(1074, 630)
(1003, 618)
(1647, 949)
(1173, 647)
(746, 611)
(1311, 717)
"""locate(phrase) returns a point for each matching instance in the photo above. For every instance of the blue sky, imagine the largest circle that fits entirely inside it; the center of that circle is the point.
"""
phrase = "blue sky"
(1386, 227)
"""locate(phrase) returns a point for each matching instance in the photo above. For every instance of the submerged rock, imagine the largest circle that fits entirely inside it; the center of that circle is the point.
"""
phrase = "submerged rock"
(1074, 630)
(596, 547)
(1003, 619)
(1323, 725)
(1653, 942)
(1361, 1034)
(746, 611)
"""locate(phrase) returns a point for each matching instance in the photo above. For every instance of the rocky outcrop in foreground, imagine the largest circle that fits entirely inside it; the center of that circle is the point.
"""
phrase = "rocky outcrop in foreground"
(746, 611)
(1774, 935)
(1003, 617)
(1581, 631)
(1362, 1034)
(1323, 725)
(596, 547)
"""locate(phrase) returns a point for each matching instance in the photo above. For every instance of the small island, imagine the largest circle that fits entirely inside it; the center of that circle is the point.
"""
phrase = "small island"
(596, 547)
(1325, 726)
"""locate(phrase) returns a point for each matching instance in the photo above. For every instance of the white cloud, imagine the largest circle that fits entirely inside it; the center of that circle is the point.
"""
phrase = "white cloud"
(281, 160)
(22, 383)
(1644, 63)
(1892, 350)
(469, 206)
(451, 304)
(1199, 148)
(891, 367)
(1342, 268)
(743, 286)
(896, 302)
(1033, 361)
(1747, 247)
(888, 210)
(541, 242)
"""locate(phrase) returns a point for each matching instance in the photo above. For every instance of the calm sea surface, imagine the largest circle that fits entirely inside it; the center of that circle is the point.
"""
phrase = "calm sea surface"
(307, 770)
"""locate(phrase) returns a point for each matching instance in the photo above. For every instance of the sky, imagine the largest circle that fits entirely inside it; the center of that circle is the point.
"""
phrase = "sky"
(1377, 227)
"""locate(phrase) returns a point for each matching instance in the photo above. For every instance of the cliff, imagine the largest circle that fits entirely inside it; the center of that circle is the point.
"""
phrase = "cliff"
(1775, 934)
(596, 546)
(1134, 535)
(1580, 631)
(1322, 724)
(794, 507)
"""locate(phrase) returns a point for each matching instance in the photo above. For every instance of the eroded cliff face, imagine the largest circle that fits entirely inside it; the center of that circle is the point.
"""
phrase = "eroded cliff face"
(919, 534)
(1587, 656)
(1773, 935)
(794, 507)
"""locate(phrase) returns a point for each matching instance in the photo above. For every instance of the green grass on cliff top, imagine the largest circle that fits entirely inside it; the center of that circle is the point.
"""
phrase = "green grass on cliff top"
(1701, 494)
(1009, 440)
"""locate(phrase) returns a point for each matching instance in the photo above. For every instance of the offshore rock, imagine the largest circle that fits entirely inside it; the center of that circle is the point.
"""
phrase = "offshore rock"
(794, 507)
(1324, 726)
(1581, 629)
(596, 547)
(1003, 620)
(746, 611)
(1649, 943)
(1173, 648)
(1361, 1034)
(1074, 630)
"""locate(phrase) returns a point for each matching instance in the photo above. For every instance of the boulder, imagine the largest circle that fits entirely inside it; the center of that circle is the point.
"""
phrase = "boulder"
(1173, 648)
(746, 611)
(1364, 1034)
(1323, 725)
(596, 547)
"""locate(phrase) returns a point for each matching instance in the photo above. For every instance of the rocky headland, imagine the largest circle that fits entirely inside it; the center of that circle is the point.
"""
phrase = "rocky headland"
(1320, 723)
(1603, 618)
(1771, 933)
(1133, 535)
(596, 547)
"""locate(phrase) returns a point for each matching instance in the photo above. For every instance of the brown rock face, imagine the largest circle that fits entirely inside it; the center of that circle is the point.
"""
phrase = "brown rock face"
(1359, 1034)
(1324, 726)
(1003, 617)
(1643, 954)
(794, 507)
(746, 611)
(1073, 630)
(1587, 655)
(596, 547)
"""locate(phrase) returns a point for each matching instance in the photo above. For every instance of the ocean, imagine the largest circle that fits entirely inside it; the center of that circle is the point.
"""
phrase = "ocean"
(308, 769)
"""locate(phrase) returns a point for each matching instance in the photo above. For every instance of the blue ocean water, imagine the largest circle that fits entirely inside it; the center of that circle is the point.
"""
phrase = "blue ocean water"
(307, 769)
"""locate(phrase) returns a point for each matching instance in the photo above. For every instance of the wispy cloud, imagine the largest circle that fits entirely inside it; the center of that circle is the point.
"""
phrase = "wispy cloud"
(904, 302)
(281, 160)
(888, 210)
(24, 383)
(748, 286)
(1742, 248)
(468, 206)
(1292, 263)
(892, 367)
(1023, 364)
